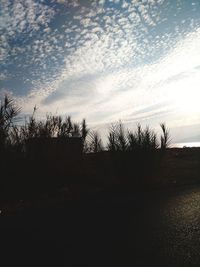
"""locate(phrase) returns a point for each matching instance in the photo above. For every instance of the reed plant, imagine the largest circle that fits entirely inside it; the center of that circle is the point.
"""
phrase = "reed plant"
(130, 154)
(136, 153)
(94, 143)
(165, 138)
(8, 116)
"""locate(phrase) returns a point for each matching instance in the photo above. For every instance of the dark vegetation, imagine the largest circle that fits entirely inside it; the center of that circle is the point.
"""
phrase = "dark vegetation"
(41, 156)
(67, 199)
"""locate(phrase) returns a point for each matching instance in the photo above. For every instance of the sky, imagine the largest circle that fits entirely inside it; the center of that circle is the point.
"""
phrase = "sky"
(107, 60)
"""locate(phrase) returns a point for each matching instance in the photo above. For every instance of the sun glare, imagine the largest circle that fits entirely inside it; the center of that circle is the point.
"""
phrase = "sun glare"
(186, 95)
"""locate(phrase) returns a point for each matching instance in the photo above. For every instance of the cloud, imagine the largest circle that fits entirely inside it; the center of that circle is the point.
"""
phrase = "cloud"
(103, 60)
(23, 17)
(125, 92)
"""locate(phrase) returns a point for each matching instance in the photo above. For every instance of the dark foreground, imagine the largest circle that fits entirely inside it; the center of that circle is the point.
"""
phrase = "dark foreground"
(149, 229)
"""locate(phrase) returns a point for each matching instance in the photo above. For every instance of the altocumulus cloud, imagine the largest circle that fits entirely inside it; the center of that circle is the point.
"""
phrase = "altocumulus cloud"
(103, 60)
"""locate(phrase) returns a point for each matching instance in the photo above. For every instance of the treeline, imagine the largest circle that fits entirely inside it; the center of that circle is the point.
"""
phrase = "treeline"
(129, 158)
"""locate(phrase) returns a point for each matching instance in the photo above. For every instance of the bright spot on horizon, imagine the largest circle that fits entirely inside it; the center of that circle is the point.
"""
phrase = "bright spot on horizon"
(138, 61)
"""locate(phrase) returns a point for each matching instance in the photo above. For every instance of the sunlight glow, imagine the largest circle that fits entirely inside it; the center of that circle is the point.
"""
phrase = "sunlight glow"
(187, 95)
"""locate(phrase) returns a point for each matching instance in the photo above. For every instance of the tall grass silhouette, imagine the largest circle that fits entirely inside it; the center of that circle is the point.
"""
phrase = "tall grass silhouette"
(165, 137)
(94, 142)
(129, 157)
(135, 154)
(8, 115)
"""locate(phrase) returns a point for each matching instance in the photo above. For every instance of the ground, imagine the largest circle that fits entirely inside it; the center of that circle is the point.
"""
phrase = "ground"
(159, 228)
(70, 227)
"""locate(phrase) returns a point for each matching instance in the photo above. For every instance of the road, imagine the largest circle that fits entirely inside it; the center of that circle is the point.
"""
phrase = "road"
(149, 229)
